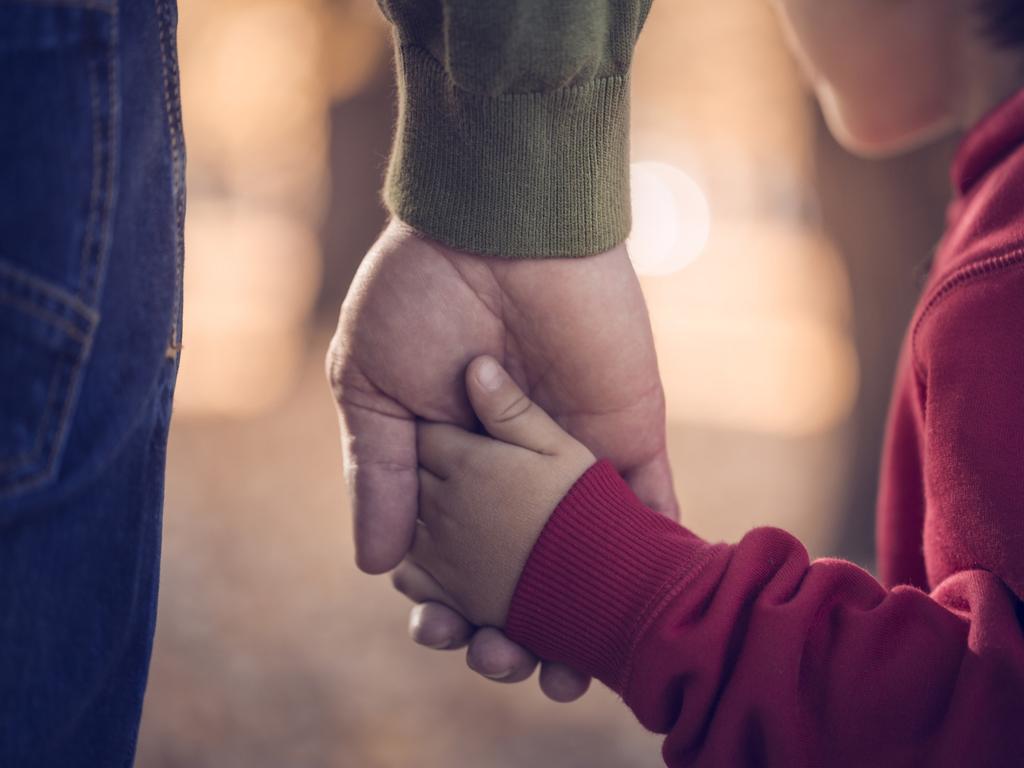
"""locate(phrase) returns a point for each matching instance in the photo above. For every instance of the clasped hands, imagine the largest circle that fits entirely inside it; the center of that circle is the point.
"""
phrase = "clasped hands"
(574, 333)
(484, 499)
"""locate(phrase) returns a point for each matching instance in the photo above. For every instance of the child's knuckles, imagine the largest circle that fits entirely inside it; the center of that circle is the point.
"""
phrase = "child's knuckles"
(514, 405)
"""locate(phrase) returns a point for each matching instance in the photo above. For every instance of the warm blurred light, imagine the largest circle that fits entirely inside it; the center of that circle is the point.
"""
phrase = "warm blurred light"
(256, 85)
(776, 376)
(733, 94)
(357, 44)
(754, 337)
(251, 278)
(255, 102)
(671, 219)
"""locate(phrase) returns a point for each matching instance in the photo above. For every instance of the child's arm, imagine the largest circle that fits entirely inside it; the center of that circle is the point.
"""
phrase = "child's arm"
(743, 655)
(753, 655)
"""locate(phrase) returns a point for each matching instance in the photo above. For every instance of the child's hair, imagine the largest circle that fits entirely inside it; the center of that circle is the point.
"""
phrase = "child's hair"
(1003, 21)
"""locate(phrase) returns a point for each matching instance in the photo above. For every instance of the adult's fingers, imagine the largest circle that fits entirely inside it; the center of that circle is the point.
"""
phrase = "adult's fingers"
(379, 448)
(561, 683)
(494, 656)
(652, 484)
(438, 626)
(505, 410)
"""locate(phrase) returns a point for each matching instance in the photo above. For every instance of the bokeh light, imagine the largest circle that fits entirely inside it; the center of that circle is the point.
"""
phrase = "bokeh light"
(753, 336)
(671, 219)
(249, 292)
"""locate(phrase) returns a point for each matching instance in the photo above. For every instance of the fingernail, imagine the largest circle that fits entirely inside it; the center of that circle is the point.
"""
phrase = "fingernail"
(439, 646)
(497, 675)
(489, 374)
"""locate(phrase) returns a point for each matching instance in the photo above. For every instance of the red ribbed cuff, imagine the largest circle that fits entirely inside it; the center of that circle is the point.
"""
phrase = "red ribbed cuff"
(600, 566)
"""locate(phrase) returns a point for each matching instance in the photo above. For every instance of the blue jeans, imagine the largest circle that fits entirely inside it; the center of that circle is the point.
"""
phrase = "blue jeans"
(91, 209)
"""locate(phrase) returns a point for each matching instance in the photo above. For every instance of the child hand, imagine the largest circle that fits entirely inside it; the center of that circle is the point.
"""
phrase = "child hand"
(483, 501)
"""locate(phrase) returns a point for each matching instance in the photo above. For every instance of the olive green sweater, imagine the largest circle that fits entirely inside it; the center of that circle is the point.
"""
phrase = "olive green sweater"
(513, 123)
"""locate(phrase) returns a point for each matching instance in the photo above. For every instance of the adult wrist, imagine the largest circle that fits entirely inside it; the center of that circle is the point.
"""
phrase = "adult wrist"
(518, 175)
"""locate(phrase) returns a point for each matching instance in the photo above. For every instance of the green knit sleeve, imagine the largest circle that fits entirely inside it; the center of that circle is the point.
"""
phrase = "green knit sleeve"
(513, 124)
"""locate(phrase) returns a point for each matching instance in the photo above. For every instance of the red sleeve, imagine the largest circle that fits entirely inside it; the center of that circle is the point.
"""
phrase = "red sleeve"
(753, 655)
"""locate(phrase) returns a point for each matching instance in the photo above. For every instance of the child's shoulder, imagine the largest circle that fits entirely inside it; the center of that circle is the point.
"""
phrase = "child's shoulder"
(974, 314)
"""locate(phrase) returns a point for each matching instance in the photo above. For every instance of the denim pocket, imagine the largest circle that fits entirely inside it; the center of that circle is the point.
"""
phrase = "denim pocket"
(58, 134)
(45, 335)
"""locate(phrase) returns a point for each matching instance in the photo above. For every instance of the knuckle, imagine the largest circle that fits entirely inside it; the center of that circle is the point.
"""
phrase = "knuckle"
(384, 466)
(341, 376)
(336, 361)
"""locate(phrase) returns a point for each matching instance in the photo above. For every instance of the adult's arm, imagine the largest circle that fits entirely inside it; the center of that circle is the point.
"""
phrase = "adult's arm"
(512, 134)
(511, 149)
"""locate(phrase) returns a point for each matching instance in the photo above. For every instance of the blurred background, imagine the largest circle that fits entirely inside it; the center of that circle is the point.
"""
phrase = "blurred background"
(767, 255)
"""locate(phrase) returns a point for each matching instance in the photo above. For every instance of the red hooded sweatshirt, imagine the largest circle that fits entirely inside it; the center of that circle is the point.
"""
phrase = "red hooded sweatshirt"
(751, 654)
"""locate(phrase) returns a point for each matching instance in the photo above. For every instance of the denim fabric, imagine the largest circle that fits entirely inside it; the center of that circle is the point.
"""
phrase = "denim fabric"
(91, 210)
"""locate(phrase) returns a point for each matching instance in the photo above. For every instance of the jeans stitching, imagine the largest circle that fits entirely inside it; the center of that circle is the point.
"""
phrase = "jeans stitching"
(74, 375)
(67, 314)
(10, 300)
(172, 112)
(39, 474)
(56, 298)
(99, 240)
(54, 420)
(52, 425)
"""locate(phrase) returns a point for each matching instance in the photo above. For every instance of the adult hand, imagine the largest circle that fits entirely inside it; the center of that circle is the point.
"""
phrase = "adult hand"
(573, 333)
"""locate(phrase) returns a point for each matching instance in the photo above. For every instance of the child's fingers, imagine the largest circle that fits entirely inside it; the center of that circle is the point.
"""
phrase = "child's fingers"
(494, 656)
(443, 448)
(418, 585)
(561, 683)
(438, 626)
(424, 552)
(437, 621)
(505, 410)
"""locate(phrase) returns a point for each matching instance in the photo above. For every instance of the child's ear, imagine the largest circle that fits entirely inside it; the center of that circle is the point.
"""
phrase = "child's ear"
(507, 413)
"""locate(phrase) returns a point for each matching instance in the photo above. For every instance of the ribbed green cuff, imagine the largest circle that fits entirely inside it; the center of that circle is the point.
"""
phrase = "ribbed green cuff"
(528, 175)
